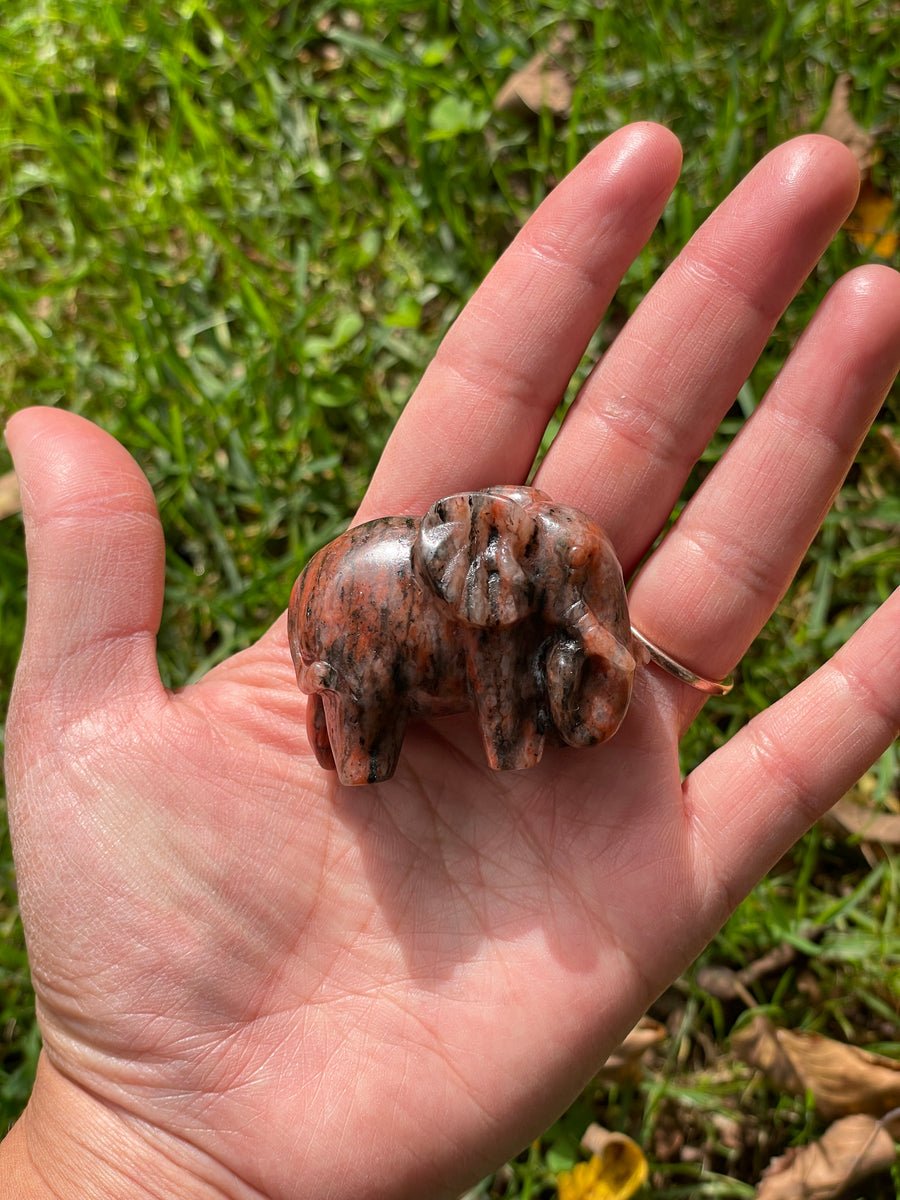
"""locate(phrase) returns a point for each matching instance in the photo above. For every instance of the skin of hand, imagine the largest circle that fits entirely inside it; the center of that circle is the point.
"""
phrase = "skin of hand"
(252, 983)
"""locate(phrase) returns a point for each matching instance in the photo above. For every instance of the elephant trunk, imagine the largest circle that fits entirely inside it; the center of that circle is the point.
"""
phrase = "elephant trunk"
(589, 676)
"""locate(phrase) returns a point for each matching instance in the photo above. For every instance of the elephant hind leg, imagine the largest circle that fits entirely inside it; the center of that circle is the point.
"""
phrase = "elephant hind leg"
(365, 742)
(383, 756)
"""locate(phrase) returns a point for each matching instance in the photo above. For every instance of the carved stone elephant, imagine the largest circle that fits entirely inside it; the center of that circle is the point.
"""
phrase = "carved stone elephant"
(498, 601)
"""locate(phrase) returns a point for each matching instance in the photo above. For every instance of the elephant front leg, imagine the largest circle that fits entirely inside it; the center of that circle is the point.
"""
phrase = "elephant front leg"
(507, 701)
(365, 741)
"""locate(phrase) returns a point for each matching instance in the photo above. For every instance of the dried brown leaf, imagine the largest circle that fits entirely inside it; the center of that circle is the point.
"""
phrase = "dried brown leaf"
(776, 959)
(726, 984)
(624, 1064)
(10, 501)
(840, 123)
(858, 819)
(872, 224)
(841, 1079)
(890, 443)
(541, 83)
(851, 1150)
(758, 1045)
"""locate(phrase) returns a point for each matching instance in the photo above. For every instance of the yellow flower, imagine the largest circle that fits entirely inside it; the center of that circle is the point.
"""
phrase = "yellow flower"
(614, 1174)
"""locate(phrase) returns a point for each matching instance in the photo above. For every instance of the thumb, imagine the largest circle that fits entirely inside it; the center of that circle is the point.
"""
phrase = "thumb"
(95, 565)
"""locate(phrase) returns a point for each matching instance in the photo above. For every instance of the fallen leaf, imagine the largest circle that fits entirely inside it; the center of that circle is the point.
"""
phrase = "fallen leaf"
(726, 984)
(852, 817)
(872, 220)
(10, 501)
(872, 224)
(624, 1064)
(851, 1150)
(840, 123)
(541, 83)
(730, 1132)
(891, 444)
(544, 81)
(615, 1170)
(841, 1079)
(758, 1045)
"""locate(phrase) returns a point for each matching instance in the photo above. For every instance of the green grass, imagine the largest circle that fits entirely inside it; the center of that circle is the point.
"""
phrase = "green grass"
(234, 234)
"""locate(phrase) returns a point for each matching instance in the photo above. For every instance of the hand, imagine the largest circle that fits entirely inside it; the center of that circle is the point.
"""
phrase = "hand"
(252, 983)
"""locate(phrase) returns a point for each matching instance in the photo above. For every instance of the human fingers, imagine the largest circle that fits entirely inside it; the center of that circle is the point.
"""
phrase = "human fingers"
(751, 800)
(95, 566)
(482, 406)
(657, 396)
(718, 574)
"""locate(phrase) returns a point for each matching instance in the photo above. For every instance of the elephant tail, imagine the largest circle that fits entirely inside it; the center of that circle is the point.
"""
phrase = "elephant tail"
(316, 677)
(317, 732)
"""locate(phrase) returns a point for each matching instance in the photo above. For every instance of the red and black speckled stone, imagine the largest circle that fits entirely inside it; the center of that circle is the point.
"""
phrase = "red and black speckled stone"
(498, 602)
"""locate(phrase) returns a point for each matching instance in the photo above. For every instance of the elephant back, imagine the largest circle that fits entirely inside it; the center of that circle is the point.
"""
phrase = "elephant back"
(359, 607)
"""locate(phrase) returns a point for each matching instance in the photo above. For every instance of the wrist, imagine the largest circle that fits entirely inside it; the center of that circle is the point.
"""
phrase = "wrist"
(70, 1145)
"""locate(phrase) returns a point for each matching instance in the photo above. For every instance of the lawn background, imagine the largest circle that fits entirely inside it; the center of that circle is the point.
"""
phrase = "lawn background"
(233, 234)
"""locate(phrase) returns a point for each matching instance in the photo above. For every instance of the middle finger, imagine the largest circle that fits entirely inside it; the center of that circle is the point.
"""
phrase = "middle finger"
(654, 401)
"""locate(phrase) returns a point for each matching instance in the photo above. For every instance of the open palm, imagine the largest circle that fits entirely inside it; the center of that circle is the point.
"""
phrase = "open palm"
(255, 983)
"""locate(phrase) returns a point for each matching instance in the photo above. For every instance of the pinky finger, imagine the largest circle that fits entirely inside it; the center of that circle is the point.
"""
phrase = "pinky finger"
(751, 800)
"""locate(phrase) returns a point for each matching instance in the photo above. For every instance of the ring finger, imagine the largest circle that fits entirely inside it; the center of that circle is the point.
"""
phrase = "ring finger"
(718, 574)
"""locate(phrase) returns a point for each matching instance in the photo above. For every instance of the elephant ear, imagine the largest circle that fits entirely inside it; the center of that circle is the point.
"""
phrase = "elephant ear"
(471, 550)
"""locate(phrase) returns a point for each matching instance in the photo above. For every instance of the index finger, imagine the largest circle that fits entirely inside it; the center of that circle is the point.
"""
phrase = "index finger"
(480, 411)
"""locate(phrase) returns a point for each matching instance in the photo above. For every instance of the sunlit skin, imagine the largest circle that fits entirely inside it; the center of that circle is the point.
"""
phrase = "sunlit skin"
(255, 984)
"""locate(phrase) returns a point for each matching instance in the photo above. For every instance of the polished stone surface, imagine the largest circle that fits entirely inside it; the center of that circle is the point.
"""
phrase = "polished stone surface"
(499, 602)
